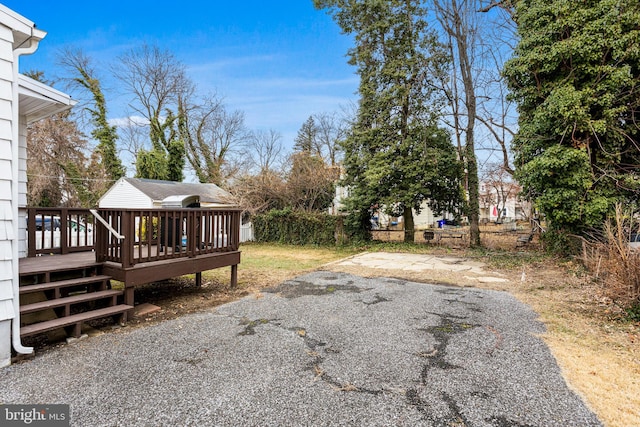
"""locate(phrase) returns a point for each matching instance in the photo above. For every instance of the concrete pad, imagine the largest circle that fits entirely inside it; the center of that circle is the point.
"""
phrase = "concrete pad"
(491, 280)
(414, 262)
(145, 309)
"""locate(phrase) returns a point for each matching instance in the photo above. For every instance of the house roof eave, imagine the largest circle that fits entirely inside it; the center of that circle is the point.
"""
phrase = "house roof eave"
(23, 29)
(37, 100)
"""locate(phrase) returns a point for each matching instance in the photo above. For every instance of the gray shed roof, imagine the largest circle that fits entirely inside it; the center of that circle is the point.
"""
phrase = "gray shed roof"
(159, 190)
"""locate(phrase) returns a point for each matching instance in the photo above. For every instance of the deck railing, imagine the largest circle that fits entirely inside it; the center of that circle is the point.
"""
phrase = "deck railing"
(161, 234)
(59, 231)
(149, 235)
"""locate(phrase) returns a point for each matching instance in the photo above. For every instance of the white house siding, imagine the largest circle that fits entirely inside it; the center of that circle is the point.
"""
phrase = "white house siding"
(426, 218)
(125, 196)
(6, 215)
(22, 189)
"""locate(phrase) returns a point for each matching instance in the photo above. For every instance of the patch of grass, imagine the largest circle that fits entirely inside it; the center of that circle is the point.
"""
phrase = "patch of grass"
(633, 313)
(401, 247)
(267, 264)
(512, 260)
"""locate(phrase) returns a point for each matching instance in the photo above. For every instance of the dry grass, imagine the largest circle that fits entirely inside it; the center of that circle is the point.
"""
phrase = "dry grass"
(611, 260)
(268, 265)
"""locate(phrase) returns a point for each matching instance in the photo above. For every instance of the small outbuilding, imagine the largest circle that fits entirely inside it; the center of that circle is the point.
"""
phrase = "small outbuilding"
(138, 193)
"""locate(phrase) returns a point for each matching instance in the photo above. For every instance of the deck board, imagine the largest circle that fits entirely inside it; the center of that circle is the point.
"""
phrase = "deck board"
(45, 263)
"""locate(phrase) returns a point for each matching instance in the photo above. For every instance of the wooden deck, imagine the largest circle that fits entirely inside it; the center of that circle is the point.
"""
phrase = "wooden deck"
(65, 282)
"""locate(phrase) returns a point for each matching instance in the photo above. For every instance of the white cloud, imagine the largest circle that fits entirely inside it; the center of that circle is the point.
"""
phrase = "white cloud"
(130, 121)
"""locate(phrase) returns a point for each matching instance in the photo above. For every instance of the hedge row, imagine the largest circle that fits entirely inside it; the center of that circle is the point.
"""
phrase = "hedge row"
(297, 228)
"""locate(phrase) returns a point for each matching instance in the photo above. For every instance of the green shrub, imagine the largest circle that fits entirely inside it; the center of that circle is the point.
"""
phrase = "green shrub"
(560, 243)
(297, 228)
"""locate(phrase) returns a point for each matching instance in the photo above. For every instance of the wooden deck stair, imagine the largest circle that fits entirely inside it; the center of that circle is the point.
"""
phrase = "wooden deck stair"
(65, 300)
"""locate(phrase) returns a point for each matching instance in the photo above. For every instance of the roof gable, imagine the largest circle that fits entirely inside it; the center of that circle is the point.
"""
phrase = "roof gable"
(159, 190)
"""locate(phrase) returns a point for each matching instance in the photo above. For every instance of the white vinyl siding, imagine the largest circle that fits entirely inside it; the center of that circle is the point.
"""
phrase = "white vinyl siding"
(7, 233)
(22, 189)
(125, 196)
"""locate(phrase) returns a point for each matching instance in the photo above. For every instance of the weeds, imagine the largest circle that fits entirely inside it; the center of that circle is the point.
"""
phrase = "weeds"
(614, 263)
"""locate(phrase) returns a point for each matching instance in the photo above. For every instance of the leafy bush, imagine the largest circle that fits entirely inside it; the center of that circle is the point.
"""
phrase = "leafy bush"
(560, 243)
(297, 228)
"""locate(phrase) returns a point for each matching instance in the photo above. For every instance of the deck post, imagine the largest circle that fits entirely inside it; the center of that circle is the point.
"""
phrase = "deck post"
(126, 245)
(31, 232)
(64, 231)
(128, 299)
(199, 279)
(234, 276)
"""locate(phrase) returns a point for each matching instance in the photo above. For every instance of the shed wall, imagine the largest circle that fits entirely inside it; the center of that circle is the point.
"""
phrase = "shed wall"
(123, 195)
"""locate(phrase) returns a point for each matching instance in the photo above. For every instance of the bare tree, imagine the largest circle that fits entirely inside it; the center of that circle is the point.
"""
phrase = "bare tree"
(495, 111)
(214, 138)
(157, 82)
(265, 150)
(134, 137)
(482, 119)
(310, 183)
(458, 21)
(56, 164)
(330, 131)
(260, 193)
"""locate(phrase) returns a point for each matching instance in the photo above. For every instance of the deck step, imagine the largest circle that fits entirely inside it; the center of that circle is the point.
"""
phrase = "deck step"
(63, 283)
(75, 299)
(75, 319)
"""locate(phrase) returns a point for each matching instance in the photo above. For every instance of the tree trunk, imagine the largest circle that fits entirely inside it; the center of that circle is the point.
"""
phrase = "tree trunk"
(466, 72)
(474, 196)
(409, 226)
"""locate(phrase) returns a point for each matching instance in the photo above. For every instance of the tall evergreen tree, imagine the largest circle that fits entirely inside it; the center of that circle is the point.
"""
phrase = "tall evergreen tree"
(576, 77)
(307, 138)
(393, 152)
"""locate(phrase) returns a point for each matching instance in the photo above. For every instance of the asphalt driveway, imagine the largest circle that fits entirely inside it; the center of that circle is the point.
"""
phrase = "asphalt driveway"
(325, 349)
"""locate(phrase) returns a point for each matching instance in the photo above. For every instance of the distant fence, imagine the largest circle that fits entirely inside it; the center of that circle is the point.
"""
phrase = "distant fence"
(246, 233)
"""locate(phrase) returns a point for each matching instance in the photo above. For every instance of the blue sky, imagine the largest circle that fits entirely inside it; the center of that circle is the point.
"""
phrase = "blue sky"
(278, 61)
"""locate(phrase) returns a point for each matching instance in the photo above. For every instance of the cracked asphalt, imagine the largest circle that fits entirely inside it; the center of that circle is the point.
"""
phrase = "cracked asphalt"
(325, 349)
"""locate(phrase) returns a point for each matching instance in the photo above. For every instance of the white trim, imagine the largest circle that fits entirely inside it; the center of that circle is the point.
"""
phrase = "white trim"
(31, 87)
(38, 100)
(16, 21)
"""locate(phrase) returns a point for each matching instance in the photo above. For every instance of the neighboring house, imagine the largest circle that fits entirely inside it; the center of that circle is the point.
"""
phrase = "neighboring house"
(500, 202)
(22, 101)
(138, 193)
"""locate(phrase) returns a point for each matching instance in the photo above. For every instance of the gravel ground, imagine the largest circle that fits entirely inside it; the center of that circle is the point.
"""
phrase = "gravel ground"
(325, 349)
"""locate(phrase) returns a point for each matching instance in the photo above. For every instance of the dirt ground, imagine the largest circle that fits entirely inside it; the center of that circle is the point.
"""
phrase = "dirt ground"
(598, 353)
